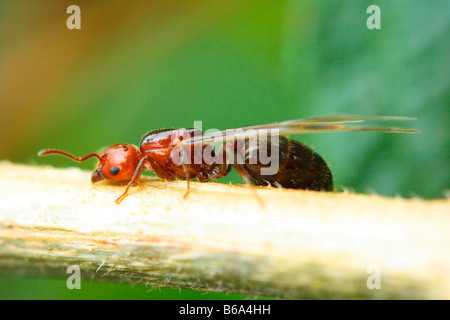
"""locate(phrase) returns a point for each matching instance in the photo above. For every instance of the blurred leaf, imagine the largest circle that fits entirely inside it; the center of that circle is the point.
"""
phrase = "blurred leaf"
(401, 69)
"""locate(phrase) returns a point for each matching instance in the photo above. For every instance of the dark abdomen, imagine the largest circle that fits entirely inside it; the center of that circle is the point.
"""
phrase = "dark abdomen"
(299, 167)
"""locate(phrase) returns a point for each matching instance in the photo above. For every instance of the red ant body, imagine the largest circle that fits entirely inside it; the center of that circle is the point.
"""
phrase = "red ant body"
(299, 166)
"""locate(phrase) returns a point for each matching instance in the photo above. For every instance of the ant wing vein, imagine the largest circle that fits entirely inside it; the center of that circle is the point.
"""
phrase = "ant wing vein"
(307, 125)
(328, 120)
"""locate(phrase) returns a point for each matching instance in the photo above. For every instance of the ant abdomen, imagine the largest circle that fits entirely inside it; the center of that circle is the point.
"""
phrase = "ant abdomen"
(299, 167)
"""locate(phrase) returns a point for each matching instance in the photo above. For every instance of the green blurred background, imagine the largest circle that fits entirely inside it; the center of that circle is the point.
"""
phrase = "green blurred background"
(141, 65)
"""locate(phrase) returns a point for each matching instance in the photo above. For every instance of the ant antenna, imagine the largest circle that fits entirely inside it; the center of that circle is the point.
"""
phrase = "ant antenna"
(54, 151)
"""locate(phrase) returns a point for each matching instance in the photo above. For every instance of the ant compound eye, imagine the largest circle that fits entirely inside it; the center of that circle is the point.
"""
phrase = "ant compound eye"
(114, 170)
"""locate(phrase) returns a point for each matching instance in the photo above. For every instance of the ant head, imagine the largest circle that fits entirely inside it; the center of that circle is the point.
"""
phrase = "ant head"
(117, 162)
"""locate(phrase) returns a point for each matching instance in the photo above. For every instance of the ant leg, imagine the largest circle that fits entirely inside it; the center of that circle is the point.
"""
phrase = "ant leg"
(239, 167)
(188, 186)
(136, 175)
(185, 169)
(158, 169)
(244, 175)
(221, 166)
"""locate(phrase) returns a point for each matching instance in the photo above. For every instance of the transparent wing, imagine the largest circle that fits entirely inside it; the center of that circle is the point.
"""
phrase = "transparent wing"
(306, 125)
